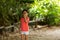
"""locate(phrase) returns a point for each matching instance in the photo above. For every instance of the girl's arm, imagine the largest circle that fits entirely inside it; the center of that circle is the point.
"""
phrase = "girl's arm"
(26, 19)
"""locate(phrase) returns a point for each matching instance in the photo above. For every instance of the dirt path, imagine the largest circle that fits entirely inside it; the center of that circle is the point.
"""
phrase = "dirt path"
(46, 34)
(40, 34)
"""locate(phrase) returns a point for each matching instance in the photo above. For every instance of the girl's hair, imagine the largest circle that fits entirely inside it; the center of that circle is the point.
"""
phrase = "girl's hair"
(24, 10)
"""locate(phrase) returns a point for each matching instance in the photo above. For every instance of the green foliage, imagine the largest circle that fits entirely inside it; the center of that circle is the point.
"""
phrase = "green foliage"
(7, 9)
(26, 1)
(48, 11)
(10, 11)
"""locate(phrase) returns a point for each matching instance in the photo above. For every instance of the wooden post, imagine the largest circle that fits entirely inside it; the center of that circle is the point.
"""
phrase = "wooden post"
(36, 16)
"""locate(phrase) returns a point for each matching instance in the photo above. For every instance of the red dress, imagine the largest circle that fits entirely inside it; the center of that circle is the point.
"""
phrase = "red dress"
(24, 25)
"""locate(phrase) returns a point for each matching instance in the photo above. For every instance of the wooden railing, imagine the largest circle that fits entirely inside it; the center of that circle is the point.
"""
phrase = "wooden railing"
(11, 27)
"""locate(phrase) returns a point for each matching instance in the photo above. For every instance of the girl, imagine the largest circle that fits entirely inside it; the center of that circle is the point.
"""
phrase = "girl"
(24, 25)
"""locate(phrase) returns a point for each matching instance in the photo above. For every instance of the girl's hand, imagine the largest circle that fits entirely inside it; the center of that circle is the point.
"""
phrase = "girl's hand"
(25, 19)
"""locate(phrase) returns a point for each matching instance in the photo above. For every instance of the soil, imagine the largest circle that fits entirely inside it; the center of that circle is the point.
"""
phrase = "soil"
(46, 33)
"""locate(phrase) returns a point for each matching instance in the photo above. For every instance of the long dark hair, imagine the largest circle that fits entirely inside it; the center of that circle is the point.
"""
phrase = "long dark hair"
(23, 11)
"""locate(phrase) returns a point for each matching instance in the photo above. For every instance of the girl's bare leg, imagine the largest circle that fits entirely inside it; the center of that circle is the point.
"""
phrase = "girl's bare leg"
(22, 37)
(26, 37)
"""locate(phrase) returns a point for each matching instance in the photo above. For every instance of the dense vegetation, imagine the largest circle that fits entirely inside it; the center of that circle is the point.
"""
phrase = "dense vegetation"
(48, 11)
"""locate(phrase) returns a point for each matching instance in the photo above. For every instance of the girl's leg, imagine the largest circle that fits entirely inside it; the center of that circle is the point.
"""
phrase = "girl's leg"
(22, 36)
(26, 37)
